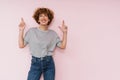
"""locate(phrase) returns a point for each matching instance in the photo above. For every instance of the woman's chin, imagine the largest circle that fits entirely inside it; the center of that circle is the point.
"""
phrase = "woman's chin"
(43, 24)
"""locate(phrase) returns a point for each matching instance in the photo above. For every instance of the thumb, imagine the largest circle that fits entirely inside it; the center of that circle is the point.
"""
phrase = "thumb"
(22, 20)
(60, 28)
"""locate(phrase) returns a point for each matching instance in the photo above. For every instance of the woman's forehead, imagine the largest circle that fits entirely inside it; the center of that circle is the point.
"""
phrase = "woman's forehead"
(43, 14)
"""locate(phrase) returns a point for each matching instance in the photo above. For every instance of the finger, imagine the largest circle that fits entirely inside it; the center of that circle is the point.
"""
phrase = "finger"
(60, 28)
(63, 23)
(22, 19)
(66, 27)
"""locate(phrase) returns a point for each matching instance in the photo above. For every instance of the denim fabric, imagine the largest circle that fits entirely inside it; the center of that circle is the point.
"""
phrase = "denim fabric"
(43, 66)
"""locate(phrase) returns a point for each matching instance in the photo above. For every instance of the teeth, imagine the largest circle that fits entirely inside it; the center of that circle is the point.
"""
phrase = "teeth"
(43, 20)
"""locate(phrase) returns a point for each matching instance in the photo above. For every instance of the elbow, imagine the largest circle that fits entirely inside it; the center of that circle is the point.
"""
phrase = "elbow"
(63, 47)
(20, 46)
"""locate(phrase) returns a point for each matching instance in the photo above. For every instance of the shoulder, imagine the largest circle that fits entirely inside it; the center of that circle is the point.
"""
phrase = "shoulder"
(32, 29)
(53, 33)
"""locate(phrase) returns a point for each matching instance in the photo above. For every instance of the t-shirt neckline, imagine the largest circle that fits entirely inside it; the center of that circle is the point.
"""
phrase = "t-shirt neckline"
(42, 30)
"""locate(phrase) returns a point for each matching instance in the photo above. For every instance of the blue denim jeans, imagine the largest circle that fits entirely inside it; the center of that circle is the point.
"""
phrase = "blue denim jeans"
(43, 66)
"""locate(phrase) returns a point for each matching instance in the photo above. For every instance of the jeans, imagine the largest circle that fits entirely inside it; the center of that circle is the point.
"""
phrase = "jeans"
(44, 65)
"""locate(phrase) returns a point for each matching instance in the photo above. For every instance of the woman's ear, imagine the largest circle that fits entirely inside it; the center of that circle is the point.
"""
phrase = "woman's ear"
(48, 20)
(39, 21)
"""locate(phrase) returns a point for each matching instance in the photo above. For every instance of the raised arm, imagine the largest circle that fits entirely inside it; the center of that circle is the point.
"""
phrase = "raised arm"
(64, 29)
(21, 33)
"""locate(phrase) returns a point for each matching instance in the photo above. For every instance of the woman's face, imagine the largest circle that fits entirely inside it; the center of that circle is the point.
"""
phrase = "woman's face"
(43, 19)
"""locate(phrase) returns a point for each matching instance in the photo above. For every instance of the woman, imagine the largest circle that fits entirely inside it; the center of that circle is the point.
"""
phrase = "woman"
(42, 42)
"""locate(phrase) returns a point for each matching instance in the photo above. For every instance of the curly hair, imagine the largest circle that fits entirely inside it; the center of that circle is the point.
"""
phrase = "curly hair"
(46, 11)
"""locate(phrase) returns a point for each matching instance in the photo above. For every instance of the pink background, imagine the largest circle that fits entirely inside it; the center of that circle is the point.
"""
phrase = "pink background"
(93, 48)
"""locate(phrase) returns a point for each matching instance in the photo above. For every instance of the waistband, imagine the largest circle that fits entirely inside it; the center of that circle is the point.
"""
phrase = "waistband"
(41, 58)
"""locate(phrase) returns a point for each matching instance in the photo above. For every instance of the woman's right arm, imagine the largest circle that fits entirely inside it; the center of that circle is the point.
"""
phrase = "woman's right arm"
(21, 33)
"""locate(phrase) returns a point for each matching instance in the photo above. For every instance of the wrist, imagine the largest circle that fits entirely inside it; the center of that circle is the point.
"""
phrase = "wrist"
(21, 29)
(65, 32)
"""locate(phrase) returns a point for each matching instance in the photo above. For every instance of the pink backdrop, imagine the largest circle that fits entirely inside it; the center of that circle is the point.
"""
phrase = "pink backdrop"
(93, 48)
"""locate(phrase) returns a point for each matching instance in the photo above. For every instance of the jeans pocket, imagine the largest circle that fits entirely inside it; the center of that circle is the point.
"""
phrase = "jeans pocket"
(33, 60)
(50, 60)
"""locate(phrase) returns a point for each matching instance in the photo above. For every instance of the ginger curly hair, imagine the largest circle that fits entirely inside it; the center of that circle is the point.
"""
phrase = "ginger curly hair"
(46, 11)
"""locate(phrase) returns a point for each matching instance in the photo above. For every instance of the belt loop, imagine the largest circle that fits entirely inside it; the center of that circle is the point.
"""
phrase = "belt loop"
(41, 58)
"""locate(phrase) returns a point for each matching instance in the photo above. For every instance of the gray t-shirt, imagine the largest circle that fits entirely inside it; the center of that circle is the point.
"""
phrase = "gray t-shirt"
(41, 43)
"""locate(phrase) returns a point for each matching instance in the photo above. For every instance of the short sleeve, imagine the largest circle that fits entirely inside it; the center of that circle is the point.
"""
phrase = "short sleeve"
(58, 41)
(27, 37)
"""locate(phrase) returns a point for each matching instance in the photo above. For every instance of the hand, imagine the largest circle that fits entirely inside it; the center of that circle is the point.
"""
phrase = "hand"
(63, 28)
(22, 24)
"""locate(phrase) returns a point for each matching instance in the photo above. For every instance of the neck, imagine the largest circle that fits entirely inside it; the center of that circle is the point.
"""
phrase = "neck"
(44, 28)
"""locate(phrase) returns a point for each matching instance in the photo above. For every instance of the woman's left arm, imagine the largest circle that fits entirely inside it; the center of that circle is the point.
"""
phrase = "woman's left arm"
(64, 29)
